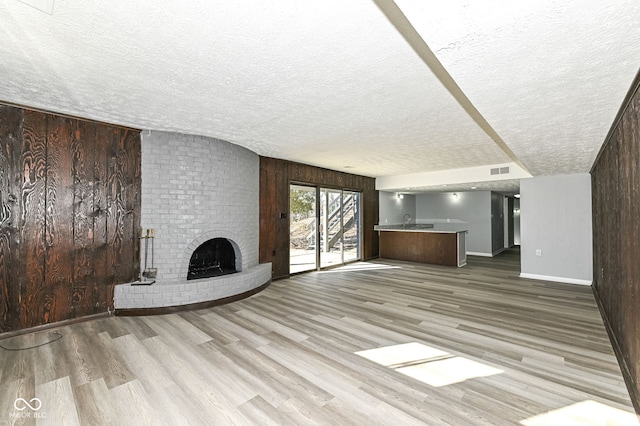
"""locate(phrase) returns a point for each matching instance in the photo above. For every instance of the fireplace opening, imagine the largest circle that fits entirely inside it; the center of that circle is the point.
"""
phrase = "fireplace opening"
(212, 258)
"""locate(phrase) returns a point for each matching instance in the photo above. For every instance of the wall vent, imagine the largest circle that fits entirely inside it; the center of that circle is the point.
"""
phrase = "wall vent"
(500, 171)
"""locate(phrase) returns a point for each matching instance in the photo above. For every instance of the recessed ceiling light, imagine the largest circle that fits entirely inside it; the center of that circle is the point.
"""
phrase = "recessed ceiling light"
(517, 195)
(474, 187)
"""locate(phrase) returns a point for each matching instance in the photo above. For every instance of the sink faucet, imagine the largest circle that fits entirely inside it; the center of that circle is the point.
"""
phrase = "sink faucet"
(407, 219)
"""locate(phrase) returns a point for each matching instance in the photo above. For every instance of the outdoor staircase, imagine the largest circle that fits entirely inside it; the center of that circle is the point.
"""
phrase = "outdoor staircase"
(349, 209)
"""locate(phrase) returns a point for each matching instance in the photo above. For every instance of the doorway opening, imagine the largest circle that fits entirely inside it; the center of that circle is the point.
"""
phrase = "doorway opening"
(324, 227)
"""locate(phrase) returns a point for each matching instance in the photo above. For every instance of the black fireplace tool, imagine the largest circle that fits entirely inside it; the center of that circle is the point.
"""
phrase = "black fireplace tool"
(149, 273)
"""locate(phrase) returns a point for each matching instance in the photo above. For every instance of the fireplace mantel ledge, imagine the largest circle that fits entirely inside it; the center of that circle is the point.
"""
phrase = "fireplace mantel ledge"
(177, 293)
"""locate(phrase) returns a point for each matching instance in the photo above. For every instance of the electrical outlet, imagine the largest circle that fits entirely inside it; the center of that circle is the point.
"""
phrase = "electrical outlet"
(538, 252)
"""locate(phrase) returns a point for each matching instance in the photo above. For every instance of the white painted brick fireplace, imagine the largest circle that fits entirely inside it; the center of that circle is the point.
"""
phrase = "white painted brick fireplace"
(195, 188)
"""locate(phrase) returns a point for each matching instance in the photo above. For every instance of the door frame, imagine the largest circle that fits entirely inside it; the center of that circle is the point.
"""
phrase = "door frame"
(318, 188)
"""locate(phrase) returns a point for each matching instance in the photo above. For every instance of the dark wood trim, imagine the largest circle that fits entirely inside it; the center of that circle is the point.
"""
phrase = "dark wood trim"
(624, 367)
(633, 89)
(64, 115)
(52, 325)
(318, 185)
(136, 312)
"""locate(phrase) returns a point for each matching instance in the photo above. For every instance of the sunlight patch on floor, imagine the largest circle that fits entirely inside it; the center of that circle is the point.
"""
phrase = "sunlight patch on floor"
(361, 266)
(583, 413)
(429, 365)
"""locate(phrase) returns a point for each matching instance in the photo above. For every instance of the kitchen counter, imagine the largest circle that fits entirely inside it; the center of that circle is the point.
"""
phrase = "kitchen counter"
(438, 243)
(425, 227)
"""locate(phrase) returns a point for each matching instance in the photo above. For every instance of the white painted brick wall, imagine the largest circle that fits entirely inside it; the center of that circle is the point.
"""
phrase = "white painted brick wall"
(195, 188)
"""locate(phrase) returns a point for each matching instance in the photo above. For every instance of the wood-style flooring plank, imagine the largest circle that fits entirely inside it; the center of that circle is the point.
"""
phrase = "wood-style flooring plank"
(95, 402)
(260, 412)
(58, 403)
(134, 405)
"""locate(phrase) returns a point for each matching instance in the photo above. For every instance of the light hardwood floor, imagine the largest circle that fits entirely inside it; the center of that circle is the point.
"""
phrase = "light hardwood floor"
(380, 342)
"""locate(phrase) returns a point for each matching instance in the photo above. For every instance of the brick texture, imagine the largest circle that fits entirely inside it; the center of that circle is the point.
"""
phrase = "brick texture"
(195, 188)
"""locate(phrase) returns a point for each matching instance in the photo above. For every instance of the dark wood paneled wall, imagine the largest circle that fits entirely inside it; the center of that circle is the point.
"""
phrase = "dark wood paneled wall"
(70, 199)
(275, 176)
(615, 180)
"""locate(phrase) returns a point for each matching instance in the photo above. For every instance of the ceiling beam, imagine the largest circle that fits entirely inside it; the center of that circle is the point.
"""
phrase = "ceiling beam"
(398, 19)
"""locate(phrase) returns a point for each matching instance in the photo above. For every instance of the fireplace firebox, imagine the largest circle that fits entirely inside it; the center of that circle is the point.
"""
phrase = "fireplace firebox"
(212, 258)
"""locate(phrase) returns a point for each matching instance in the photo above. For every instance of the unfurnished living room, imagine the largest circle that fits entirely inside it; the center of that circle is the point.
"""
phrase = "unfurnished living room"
(349, 212)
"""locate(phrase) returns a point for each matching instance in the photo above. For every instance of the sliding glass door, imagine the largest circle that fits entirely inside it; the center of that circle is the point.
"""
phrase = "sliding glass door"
(303, 229)
(351, 226)
(325, 227)
(330, 227)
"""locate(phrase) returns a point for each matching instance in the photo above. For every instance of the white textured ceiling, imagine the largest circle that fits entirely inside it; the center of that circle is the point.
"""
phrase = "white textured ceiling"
(333, 83)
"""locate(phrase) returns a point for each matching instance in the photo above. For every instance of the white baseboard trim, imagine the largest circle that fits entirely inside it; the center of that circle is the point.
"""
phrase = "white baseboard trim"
(556, 279)
(477, 253)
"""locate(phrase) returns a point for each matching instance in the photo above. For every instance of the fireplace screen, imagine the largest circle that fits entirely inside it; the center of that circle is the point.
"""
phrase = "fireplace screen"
(212, 258)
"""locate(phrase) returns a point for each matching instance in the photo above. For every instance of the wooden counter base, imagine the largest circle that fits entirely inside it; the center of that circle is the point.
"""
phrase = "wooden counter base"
(425, 247)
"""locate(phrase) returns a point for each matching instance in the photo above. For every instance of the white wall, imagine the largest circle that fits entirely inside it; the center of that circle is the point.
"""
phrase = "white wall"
(393, 209)
(555, 218)
(473, 208)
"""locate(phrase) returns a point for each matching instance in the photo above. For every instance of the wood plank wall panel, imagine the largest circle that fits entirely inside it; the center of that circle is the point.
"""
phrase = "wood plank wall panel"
(79, 216)
(101, 276)
(273, 246)
(275, 177)
(10, 178)
(616, 238)
(35, 298)
(58, 248)
(83, 152)
(133, 212)
(113, 212)
(123, 193)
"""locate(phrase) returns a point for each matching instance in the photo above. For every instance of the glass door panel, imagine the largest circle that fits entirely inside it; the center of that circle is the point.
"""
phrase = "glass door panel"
(351, 225)
(330, 227)
(302, 229)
